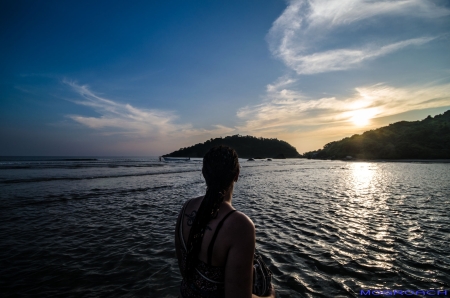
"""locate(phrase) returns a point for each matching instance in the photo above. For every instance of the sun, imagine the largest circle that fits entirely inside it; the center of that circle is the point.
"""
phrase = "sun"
(360, 120)
(362, 117)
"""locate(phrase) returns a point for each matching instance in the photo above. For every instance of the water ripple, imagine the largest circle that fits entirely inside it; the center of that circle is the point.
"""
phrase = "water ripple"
(325, 228)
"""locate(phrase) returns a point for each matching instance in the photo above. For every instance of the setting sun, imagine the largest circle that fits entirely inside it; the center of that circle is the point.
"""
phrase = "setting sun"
(362, 117)
(360, 120)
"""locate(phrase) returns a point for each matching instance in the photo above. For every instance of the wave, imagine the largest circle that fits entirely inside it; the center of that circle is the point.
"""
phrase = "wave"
(22, 201)
(92, 193)
(46, 179)
(76, 165)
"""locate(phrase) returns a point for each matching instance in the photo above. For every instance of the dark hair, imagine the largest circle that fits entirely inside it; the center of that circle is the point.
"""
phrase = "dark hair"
(220, 167)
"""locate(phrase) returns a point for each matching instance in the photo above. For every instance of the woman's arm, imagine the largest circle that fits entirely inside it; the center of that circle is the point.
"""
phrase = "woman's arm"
(239, 265)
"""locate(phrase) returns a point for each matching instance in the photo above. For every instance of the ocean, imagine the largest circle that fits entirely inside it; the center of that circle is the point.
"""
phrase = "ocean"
(104, 227)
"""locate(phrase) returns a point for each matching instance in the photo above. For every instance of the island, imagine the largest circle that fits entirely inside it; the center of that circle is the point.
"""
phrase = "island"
(425, 139)
(245, 146)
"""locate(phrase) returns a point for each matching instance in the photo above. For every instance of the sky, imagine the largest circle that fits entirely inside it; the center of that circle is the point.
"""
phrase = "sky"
(145, 78)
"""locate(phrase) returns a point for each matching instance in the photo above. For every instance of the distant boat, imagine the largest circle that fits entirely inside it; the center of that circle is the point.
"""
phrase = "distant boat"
(174, 158)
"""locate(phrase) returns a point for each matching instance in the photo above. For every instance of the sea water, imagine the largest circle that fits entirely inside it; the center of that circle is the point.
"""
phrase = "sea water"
(97, 227)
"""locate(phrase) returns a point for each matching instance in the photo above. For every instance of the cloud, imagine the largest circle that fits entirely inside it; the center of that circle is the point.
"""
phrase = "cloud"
(123, 118)
(333, 13)
(304, 36)
(308, 123)
(128, 121)
(342, 59)
(288, 110)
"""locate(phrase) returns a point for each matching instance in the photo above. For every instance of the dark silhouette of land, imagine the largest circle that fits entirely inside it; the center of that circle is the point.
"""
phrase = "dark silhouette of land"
(245, 146)
(425, 139)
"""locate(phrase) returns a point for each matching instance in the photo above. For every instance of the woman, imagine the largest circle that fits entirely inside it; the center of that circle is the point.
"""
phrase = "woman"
(214, 242)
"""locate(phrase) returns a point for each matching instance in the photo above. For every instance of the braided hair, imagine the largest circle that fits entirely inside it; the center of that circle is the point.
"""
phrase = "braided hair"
(220, 167)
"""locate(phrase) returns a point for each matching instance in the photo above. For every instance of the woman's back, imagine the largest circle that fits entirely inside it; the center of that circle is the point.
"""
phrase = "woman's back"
(223, 240)
(226, 251)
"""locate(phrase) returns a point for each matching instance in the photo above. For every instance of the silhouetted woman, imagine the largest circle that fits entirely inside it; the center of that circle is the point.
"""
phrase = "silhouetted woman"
(214, 242)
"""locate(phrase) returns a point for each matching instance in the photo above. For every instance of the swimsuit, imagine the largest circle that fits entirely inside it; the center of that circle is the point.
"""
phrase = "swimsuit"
(207, 280)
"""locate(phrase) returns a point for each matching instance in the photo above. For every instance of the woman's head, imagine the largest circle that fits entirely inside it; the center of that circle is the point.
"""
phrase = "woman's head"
(220, 169)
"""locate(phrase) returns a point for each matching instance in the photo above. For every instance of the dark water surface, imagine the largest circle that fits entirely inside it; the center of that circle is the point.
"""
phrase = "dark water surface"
(103, 227)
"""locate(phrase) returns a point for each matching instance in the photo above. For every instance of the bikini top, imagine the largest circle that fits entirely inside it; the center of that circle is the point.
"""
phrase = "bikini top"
(207, 280)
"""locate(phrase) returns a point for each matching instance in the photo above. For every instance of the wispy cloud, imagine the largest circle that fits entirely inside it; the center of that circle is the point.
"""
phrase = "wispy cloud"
(333, 13)
(291, 113)
(342, 59)
(123, 119)
(301, 37)
(308, 123)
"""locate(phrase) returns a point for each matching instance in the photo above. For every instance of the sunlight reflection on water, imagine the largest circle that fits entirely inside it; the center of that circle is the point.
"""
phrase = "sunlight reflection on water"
(326, 228)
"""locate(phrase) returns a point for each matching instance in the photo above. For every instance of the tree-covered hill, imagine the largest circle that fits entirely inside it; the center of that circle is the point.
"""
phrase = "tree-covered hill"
(245, 146)
(426, 139)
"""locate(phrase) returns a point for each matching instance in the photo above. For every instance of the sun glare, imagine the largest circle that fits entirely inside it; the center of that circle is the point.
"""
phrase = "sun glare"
(360, 120)
(362, 117)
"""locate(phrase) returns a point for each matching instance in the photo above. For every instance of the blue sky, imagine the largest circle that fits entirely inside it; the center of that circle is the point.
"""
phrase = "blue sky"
(146, 78)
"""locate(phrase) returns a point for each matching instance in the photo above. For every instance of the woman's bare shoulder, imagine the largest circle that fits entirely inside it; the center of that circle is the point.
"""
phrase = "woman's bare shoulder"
(193, 202)
(197, 199)
(241, 223)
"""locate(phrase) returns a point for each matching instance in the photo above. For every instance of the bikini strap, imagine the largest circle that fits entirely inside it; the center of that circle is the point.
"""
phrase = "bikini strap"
(181, 223)
(211, 244)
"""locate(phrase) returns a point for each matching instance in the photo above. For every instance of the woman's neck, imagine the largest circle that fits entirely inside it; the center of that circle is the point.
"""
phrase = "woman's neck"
(228, 196)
